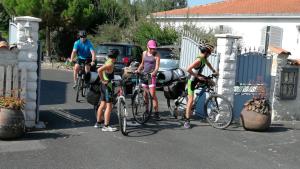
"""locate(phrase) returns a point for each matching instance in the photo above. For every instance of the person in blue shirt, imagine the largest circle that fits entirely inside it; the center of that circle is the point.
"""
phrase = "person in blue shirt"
(85, 52)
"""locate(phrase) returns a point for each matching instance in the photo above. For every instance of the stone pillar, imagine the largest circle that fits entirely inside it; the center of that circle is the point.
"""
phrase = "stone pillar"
(27, 37)
(227, 49)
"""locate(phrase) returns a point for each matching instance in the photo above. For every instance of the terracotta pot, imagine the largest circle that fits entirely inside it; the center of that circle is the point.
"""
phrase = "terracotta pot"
(12, 123)
(252, 120)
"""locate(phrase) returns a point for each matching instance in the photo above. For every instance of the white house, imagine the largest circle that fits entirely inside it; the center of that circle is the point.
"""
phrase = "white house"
(245, 18)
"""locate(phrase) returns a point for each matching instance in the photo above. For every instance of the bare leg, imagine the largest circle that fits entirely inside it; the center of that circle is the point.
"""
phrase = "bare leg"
(154, 97)
(107, 113)
(100, 111)
(189, 106)
(76, 70)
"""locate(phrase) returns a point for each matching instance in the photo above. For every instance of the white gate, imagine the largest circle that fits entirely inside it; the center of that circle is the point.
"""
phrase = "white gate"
(189, 52)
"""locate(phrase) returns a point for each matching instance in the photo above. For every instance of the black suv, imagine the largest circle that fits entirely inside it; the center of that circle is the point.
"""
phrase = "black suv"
(128, 53)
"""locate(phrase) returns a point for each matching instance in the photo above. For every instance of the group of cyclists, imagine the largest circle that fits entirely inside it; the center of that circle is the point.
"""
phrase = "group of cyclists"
(85, 52)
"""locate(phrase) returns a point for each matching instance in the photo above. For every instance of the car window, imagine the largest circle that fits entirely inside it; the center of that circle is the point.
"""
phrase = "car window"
(165, 53)
(103, 49)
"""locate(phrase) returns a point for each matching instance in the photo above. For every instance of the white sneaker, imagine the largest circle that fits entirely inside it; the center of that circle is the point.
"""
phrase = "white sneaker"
(108, 128)
(97, 125)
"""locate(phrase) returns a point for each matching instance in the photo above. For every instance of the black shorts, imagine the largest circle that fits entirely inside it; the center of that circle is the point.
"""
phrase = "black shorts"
(107, 93)
(86, 61)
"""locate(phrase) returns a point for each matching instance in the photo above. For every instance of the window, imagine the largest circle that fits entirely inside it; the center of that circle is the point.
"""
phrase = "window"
(289, 82)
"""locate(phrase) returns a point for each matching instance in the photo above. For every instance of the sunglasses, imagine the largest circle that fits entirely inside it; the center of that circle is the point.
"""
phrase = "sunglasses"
(82, 36)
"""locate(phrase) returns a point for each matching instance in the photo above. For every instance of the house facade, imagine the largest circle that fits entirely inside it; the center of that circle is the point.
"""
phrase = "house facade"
(246, 18)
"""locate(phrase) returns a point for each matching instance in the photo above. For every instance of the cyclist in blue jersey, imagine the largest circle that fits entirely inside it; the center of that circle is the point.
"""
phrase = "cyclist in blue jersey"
(85, 52)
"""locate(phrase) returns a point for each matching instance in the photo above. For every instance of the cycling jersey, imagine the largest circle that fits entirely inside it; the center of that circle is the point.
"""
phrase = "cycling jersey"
(83, 49)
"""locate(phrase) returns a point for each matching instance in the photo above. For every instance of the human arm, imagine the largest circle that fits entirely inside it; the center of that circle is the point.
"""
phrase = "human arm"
(157, 63)
(211, 68)
(103, 68)
(93, 53)
(193, 65)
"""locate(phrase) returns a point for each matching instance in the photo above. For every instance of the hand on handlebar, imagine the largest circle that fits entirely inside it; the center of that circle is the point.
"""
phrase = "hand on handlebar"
(104, 82)
(201, 78)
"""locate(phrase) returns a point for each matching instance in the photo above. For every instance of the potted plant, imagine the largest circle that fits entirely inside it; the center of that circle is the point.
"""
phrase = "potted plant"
(256, 114)
(12, 122)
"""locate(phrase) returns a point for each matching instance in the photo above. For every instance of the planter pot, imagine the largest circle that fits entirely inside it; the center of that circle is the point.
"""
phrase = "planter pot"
(12, 123)
(252, 120)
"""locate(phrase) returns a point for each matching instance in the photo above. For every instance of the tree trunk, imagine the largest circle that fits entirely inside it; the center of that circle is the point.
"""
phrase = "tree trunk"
(48, 45)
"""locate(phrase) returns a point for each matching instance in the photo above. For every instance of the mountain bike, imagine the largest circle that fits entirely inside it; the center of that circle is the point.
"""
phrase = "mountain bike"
(217, 109)
(81, 86)
(141, 100)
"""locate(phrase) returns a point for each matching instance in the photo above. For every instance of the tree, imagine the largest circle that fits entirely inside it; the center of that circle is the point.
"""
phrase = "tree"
(147, 30)
(4, 21)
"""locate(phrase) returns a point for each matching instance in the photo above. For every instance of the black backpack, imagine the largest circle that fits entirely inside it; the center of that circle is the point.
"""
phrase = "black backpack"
(175, 89)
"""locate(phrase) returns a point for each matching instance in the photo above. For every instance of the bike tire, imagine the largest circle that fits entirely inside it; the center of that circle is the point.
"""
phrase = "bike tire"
(175, 106)
(213, 116)
(78, 89)
(121, 108)
(83, 89)
(141, 117)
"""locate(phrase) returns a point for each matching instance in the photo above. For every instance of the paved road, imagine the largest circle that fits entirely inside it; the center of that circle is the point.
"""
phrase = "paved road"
(70, 141)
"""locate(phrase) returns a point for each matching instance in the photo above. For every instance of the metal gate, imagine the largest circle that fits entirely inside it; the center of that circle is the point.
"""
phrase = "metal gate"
(253, 76)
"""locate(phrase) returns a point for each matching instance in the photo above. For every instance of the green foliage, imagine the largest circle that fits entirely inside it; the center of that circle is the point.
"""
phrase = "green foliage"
(107, 33)
(4, 19)
(147, 30)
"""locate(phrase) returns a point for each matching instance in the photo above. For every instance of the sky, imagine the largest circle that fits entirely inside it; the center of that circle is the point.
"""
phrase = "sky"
(200, 2)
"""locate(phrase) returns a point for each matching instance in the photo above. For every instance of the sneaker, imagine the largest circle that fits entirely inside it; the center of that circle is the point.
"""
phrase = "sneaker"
(108, 128)
(187, 125)
(97, 125)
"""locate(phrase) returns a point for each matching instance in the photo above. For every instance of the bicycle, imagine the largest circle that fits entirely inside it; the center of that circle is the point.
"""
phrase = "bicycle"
(81, 86)
(213, 106)
(121, 105)
(119, 101)
(141, 100)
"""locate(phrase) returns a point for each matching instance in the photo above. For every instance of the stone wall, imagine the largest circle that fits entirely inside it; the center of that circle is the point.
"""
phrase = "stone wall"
(27, 37)
(284, 109)
(227, 49)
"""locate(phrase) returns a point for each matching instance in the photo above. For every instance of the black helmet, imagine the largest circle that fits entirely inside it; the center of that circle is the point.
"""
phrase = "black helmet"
(205, 47)
(82, 33)
(113, 53)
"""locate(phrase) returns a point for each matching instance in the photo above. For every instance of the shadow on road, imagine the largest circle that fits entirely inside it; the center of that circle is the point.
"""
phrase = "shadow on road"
(53, 92)
(63, 119)
(43, 135)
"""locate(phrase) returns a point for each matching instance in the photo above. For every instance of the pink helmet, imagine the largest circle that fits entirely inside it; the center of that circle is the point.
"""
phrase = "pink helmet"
(151, 44)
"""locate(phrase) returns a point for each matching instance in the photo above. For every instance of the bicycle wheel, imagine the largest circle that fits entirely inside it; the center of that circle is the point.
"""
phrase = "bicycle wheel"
(122, 114)
(218, 111)
(141, 106)
(177, 107)
(78, 89)
(83, 89)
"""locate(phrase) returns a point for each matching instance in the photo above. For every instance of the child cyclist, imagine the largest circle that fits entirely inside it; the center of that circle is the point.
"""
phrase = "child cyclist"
(106, 74)
(195, 70)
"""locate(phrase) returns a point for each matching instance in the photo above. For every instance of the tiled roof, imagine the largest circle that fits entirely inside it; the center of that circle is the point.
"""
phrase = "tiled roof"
(278, 50)
(240, 7)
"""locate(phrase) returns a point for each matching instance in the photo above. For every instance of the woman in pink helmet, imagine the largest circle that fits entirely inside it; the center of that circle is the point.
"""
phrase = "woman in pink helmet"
(150, 64)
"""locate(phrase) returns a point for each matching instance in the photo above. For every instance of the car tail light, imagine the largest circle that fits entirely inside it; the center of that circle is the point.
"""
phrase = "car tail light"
(126, 60)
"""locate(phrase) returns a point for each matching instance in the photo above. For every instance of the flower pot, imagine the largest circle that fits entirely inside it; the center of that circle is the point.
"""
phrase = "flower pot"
(252, 120)
(12, 123)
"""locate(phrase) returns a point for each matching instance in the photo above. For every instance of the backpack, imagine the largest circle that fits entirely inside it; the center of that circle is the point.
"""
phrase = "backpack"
(93, 94)
(174, 90)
